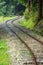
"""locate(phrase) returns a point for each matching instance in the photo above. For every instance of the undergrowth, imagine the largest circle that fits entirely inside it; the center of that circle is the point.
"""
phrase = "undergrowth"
(30, 21)
(4, 56)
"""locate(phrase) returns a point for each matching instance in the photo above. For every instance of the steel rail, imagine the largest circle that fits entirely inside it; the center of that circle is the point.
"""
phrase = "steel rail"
(34, 58)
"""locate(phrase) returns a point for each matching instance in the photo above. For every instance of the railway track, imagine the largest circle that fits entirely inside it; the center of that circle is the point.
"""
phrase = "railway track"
(28, 34)
(34, 58)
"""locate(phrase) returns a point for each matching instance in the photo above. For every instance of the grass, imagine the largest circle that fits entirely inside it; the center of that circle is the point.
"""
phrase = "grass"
(4, 56)
(30, 22)
(3, 19)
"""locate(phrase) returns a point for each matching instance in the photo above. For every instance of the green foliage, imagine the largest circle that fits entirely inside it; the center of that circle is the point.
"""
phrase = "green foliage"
(23, 2)
(4, 56)
(30, 16)
(3, 19)
(6, 7)
(27, 24)
(2, 7)
(26, 14)
(30, 23)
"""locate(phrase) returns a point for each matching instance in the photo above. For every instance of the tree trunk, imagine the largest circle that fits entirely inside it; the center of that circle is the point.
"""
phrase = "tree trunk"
(40, 9)
(7, 5)
(29, 5)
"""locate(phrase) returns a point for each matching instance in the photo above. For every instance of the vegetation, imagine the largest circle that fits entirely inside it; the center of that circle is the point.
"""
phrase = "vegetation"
(3, 19)
(29, 23)
(7, 7)
(33, 15)
(32, 11)
(4, 56)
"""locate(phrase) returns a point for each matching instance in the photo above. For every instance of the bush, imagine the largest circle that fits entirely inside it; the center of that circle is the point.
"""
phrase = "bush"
(30, 20)
(26, 14)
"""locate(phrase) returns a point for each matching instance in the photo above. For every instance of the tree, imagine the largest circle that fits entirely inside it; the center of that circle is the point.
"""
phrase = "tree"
(2, 7)
(40, 9)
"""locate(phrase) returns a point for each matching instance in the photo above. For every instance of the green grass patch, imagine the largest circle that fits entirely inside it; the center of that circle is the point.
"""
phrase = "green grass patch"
(30, 22)
(3, 19)
(4, 56)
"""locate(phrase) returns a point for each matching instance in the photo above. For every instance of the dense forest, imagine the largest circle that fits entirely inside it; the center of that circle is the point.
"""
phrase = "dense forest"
(21, 32)
(8, 7)
(32, 10)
